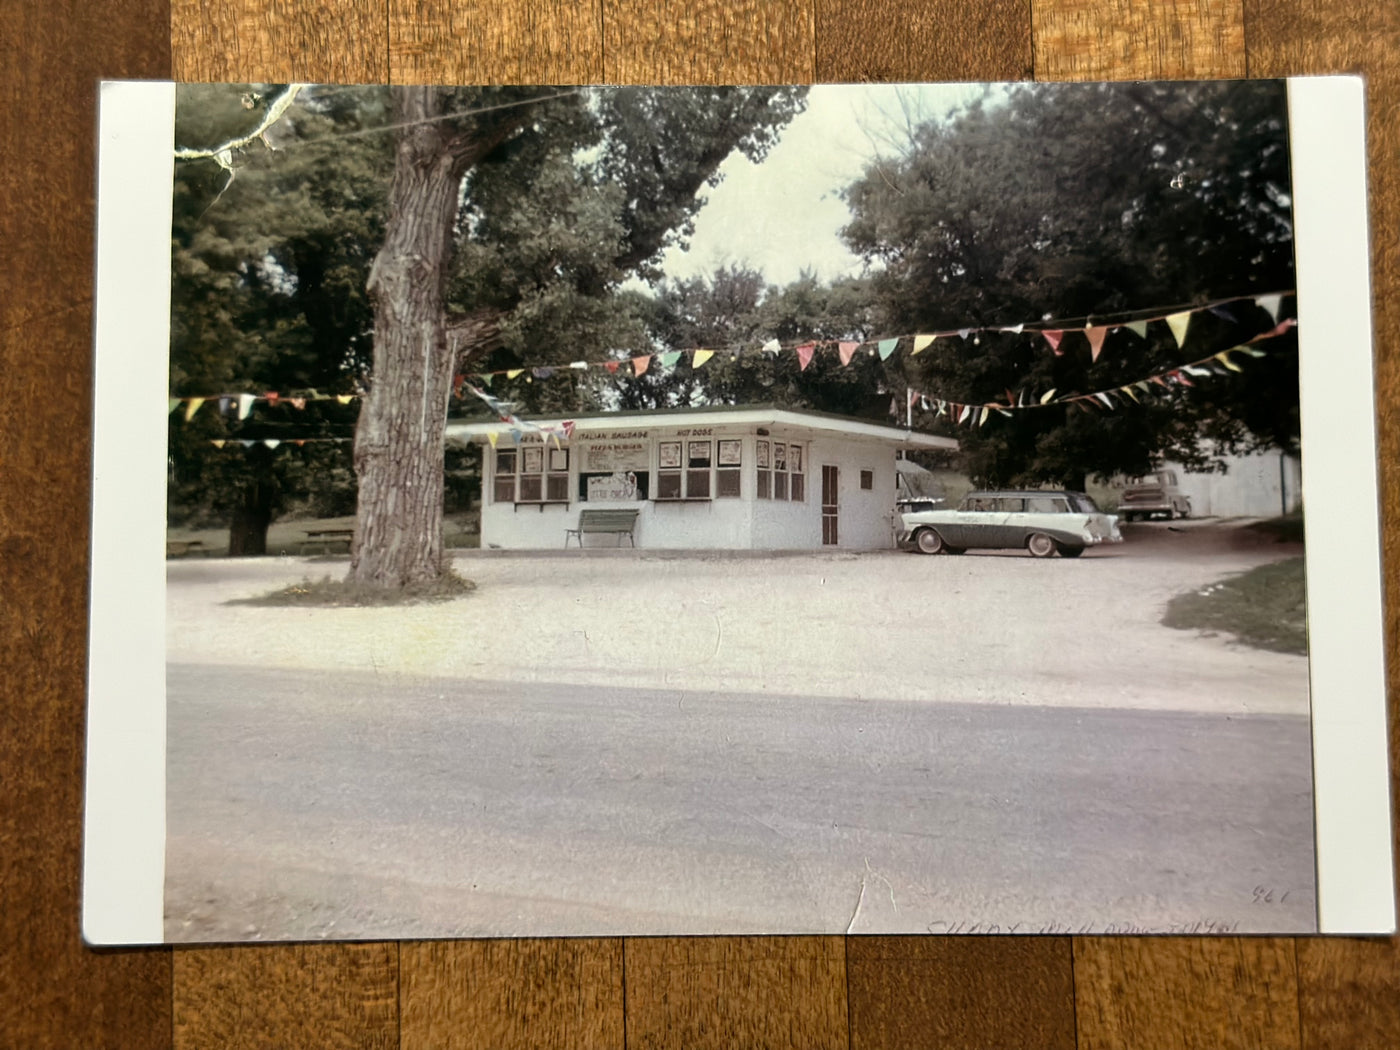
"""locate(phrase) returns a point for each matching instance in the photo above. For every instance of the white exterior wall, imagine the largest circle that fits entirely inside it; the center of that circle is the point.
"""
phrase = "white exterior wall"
(865, 518)
(1250, 488)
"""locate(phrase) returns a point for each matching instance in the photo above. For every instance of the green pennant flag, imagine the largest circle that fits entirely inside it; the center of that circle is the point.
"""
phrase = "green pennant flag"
(887, 347)
(174, 404)
(1138, 327)
(485, 378)
(669, 359)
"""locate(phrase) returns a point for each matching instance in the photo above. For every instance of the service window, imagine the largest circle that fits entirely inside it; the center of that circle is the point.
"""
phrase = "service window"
(729, 472)
(765, 469)
(533, 474)
(797, 480)
(506, 460)
(867, 480)
(699, 458)
(780, 477)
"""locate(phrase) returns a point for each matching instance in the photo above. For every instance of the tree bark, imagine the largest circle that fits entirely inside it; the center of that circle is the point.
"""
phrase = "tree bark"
(247, 534)
(399, 438)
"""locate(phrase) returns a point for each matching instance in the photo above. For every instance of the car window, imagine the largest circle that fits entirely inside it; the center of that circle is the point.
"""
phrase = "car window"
(1011, 504)
(1046, 505)
(1083, 504)
(979, 503)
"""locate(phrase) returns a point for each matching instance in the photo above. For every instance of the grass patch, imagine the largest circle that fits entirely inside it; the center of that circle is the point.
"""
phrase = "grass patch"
(1287, 529)
(1265, 607)
(329, 593)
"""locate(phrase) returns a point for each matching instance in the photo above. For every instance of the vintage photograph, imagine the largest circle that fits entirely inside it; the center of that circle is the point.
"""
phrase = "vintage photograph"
(648, 510)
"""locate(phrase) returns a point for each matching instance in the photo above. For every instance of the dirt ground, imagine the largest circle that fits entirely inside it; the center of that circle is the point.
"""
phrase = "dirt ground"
(999, 628)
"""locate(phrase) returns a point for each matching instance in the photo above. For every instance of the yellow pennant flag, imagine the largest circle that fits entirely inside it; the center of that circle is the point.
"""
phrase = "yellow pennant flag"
(921, 342)
(700, 357)
(1224, 358)
(1048, 396)
(193, 407)
(1178, 323)
(1129, 391)
(492, 437)
(345, 399)
(511, 373)
(218, 442)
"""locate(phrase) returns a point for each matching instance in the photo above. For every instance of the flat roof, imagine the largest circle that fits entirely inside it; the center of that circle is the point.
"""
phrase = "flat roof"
(476, 430)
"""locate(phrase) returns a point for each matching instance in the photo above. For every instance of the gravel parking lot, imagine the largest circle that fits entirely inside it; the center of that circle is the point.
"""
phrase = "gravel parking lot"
(997, 628)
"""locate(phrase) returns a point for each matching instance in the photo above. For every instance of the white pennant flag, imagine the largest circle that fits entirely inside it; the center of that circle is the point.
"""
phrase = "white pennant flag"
(1270, 303)
(245, 405)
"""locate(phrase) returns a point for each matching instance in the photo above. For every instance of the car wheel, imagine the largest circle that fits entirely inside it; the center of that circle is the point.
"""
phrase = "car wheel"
(1067, 551)
(1184, 511)
(928, 541)
(1040, 545)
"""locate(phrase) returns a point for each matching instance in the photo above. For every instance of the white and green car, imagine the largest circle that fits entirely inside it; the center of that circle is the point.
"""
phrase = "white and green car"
(1042, 522)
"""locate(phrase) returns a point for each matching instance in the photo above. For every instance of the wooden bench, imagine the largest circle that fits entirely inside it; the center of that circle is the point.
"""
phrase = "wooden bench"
(325, 539)
(592, 522)
(183, 548)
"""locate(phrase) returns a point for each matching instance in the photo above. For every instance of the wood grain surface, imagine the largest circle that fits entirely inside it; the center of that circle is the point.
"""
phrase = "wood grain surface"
(663, 992)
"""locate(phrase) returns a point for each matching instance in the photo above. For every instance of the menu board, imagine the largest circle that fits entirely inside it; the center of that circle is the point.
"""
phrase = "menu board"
(612, 456)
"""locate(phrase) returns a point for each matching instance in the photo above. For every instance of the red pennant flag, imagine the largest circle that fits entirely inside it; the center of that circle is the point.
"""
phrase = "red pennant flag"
(612, 366)
(457, 382)
(847, 351)
(271, 397)
(1279, 329)
(639, 364)
(1053, 337)
(1182, 379)
(1096, 337)
(804, 355)
(568, 428)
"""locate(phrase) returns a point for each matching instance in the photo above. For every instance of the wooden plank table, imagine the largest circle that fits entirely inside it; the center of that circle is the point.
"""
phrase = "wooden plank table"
(324, 539)
(1053, 992)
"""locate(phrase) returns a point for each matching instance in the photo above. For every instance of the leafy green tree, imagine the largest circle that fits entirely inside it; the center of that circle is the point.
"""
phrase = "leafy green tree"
(1089, 202)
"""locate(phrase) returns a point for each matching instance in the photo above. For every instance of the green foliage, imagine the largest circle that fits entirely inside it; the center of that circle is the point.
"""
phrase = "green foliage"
(1070, 201)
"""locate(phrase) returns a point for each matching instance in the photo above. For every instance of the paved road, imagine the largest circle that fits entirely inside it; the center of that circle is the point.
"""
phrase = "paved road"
(311, 803)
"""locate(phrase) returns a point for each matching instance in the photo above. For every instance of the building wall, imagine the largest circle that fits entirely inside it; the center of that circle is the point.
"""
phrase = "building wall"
(1252, 487)
(865, 516)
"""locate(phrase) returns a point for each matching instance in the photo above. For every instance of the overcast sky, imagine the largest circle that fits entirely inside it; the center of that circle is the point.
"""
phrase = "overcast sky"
(785, 214)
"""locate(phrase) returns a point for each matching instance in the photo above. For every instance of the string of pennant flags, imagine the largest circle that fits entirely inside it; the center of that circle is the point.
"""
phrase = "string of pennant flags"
(1094, 329)
(977, 414)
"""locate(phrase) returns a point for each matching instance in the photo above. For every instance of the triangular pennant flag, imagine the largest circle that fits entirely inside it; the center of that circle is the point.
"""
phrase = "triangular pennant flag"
(640, 364)
(1104, 398)
(542, 372)
(1270, 303)
(612, 366)
(511, 373)
(579, 366)
(669, 358)
(847, 349)
(887, 347)
(568, 427)
(1096, 336)
(1015, 329)
(1182, 379)
(1048, 396)
(297, 402)
(1220, 311)
(245, 405)
(962, 416)
(225, 404)
(301, 443)
(174, 404)
(344, 399)
(699, 357)
(1224, 358)
(921, 343)
(247, 444)
(192, 407)
(271, 397)
(492, 436)
(964, 332)
(486, 378)
(804, 355)
(271, 442)
(1197, 370)
(771, 347)
(1137, 327)
(218, 442)
(1053, 337)
(1178, 323)
(1278, 329)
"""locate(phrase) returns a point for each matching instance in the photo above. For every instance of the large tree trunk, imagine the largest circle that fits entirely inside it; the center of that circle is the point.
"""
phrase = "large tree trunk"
(399, 439)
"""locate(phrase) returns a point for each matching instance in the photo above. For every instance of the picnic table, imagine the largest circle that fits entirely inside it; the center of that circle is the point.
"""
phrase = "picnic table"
(327, 539)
